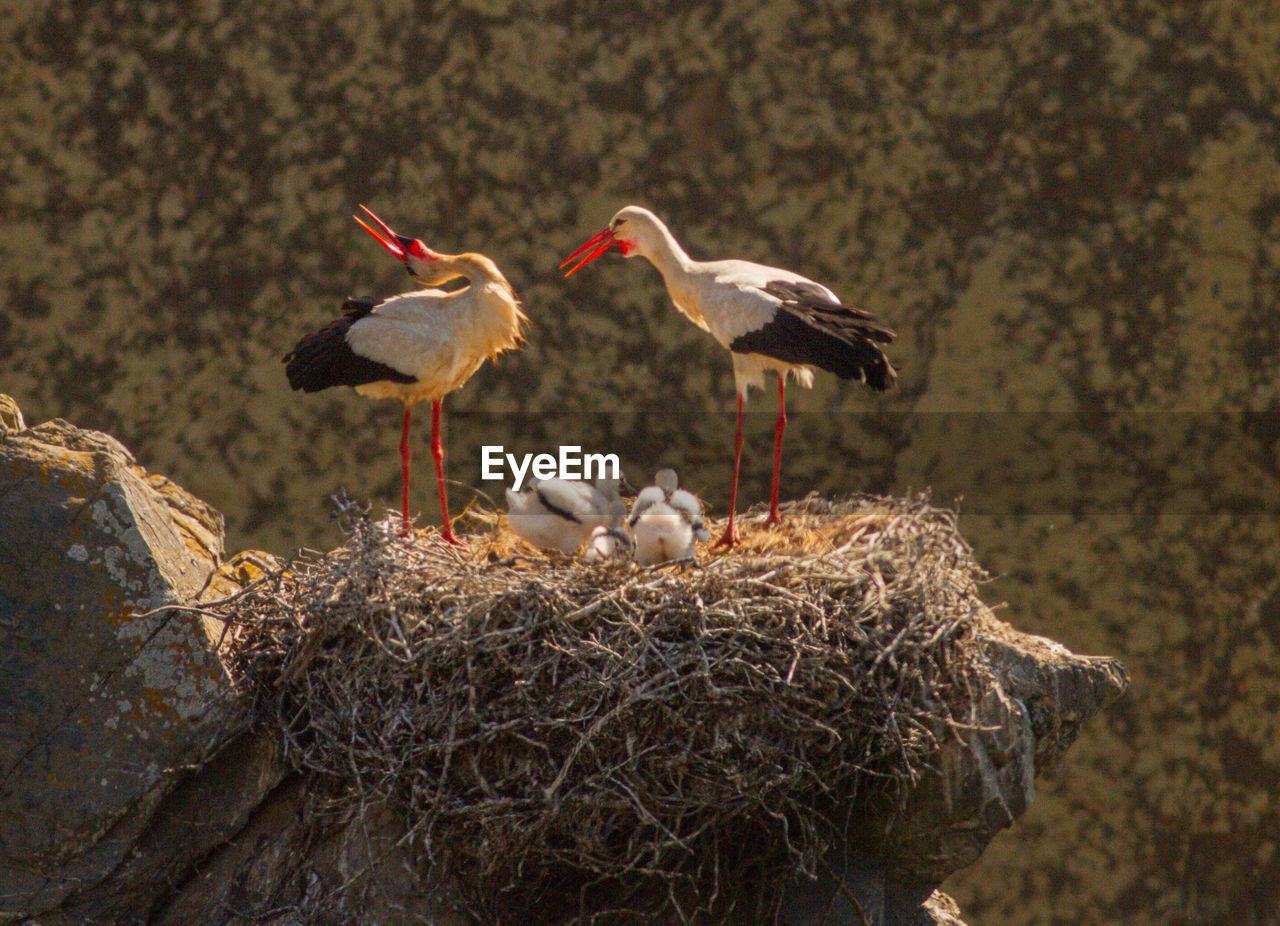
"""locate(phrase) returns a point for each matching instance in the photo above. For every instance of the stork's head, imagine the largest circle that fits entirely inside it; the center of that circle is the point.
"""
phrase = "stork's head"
(633, 230)
(422, 263)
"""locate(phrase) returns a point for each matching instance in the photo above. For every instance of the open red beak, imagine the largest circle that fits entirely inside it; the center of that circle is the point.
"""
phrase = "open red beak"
(594, 247)
(400, 247)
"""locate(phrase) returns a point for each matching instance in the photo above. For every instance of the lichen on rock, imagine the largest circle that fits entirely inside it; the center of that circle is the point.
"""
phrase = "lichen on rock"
(110, 689)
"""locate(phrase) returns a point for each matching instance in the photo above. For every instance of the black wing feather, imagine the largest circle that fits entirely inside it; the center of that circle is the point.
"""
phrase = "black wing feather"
(813, 329)
(325, 359)
(554, 509)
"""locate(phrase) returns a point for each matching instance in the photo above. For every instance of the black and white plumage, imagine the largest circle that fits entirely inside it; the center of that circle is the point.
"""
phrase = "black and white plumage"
(767, 317)
(416, 346)
(560, 514)
(666, 521)
(812, 328)
(325, 358)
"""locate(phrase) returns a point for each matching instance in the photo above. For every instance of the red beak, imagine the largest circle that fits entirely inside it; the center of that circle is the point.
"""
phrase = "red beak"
(400, 247)
(594, 247)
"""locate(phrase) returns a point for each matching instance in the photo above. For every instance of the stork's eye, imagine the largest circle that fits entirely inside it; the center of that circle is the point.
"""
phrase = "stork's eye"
(408, 270)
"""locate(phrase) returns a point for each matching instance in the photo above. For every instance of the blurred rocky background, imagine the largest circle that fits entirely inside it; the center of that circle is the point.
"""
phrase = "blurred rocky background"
(1070, 211)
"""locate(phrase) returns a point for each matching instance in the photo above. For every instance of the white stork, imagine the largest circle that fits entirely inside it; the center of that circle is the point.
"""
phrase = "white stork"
(769, 319)
(666, 521)
(415, 346)
(561, 514)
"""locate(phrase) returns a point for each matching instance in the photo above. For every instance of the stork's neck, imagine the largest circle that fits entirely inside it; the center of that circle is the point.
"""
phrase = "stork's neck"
(488, 294)
(476, 269)
(665, 253)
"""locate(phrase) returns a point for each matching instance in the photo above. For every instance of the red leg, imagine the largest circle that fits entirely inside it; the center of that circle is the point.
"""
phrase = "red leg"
(437, 452)
(731, 537)
(778, 428)
(405, 456)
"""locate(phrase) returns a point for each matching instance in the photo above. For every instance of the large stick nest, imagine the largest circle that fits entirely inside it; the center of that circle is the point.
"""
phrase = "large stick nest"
(569, 740)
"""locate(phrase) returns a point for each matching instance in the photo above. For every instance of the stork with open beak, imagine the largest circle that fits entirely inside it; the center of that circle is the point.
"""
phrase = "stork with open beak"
(768, 319)
(415, 346)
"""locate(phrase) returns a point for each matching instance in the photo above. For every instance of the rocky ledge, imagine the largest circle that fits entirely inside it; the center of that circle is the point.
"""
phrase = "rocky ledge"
(137, 788)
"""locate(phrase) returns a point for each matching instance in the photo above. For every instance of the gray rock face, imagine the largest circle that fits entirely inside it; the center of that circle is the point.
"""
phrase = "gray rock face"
(1039, 695)
(106, 692)
(132, 791)
(354, 873)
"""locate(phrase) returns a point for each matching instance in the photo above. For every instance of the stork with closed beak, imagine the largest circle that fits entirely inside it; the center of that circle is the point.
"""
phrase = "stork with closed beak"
(768, 319)
(415, 346)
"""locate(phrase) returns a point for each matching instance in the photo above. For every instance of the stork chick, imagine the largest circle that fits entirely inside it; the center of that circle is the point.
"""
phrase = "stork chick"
(666, 521)
(612, 541)
(560, 514)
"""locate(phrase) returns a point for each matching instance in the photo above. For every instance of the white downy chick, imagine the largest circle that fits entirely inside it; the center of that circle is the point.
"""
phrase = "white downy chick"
(612, 541)
(560, 514)
(666, 521)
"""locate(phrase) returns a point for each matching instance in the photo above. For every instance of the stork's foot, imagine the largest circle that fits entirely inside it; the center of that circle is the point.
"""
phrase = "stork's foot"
(774, 518)
(447, 536)
(729, 539)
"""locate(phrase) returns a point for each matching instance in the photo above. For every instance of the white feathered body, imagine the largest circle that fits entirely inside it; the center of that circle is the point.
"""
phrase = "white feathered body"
(416, 346)
(767, 317)
(726, 299)
(440, 338)
(666, 522)
(557, 514)
(662, 534)
(609, 543)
